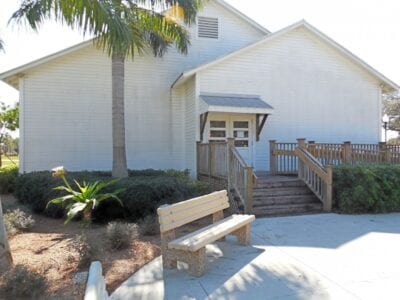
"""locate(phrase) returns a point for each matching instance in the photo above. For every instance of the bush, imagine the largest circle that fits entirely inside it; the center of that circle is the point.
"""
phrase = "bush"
(144, 192)
(20, 282)
(367, 188)
(16, 221)
(120, 235)
(85, 252)
(8, 177)
(149, 225)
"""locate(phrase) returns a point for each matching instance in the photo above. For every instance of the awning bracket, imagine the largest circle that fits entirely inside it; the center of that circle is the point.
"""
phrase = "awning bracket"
(260, 126)
(203, 122)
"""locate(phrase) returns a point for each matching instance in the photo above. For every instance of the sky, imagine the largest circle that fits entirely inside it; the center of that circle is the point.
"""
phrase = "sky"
(368, 28)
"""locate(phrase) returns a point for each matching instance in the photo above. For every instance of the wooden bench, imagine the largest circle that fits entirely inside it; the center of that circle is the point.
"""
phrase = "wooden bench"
(191, 248)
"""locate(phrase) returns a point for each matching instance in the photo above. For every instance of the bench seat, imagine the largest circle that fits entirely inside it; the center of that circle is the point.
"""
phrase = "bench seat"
(204, 236)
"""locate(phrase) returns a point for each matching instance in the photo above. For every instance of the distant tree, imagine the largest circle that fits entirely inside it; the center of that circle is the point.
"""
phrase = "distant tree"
(391, 107)
(9, 121)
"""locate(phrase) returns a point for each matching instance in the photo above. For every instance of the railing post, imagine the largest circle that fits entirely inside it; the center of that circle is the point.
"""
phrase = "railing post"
(346, 152)
(210, 161)
(328, 200)
(272, 159)
(198, 160)
(302, 143)
(248, 182)
(311, 147)
(384, 154)
(229, 159)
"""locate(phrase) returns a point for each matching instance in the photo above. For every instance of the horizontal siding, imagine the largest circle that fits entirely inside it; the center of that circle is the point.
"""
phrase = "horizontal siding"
(316, 93)
(68, 104)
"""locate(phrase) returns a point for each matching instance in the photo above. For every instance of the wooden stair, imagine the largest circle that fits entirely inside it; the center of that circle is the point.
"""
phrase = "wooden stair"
(280, 195)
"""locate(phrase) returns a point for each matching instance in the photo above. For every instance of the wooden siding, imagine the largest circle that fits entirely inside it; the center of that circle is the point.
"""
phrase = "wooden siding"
(316, 93)
(67, 104)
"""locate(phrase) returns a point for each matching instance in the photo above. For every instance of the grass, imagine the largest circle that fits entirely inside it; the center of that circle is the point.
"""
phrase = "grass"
(8, 161)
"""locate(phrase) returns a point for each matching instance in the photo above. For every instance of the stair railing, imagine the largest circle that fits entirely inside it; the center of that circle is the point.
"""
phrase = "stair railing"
(316, 176)
(241, 177)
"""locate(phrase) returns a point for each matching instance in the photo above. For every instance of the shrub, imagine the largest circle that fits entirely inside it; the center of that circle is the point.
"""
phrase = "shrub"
(367, 188)
(85, 252)
(149, 225)
(8, 177)
(20, 282)
(144, 192)
(17, 220)
(120, 235)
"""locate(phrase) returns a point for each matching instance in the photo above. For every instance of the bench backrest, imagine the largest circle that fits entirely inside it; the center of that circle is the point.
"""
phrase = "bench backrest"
(179, 214)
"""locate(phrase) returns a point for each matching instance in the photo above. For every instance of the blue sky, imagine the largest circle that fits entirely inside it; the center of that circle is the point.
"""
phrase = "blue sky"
(368, 28)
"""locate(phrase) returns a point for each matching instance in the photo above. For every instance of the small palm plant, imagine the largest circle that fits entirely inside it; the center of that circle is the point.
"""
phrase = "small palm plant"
(85, 199)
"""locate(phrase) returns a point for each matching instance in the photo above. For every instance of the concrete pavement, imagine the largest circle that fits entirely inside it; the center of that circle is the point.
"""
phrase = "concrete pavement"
(325, 256)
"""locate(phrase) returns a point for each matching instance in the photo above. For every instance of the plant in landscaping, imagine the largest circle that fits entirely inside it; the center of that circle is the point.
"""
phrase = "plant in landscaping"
(8, 177)
(149, 225)
(367, 188)
(85, 199)
(17, 220)
(20, 282)
(120, 235)
(82, 246)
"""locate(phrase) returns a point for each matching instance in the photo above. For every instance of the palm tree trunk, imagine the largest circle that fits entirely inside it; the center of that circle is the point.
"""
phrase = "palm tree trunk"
(5, 253)
(119, 169)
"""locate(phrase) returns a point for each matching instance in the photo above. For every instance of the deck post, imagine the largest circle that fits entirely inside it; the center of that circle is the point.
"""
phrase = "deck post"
(302, 143)
(272, 159)
(229, 159)
(311, 147)
(198, 160)
(248, 182)
(210, 163)
(346, 152)
(384, 154)
(328, 201)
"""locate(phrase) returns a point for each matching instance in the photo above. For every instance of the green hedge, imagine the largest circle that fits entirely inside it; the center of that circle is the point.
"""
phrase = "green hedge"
(144, 192)
(8, 177)
(367, 188)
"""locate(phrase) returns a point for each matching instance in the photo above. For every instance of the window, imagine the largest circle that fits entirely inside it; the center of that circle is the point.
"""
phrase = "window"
(217, 131)
(208, 28)
(241, 133)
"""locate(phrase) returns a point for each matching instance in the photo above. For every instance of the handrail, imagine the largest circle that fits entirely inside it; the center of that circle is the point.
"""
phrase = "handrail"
(241, 177)
(317, 177)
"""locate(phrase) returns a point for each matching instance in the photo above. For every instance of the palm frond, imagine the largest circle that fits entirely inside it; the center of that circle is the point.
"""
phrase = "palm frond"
(122, 27)
(1, 45)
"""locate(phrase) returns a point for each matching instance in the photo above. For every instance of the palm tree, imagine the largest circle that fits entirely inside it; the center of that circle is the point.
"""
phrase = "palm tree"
(122, 28)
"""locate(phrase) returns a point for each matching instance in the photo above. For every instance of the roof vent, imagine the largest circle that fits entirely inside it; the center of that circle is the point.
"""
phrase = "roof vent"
(208, 27)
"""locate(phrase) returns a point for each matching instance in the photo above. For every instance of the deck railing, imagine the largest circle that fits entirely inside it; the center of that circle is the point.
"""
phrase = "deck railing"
(315, 175)
(222, 165)
(284, 161)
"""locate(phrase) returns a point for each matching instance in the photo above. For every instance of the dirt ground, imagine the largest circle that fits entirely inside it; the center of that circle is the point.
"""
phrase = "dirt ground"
(47, 250)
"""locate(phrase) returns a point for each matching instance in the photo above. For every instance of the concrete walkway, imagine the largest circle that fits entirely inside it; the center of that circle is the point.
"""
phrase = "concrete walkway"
(325, 256)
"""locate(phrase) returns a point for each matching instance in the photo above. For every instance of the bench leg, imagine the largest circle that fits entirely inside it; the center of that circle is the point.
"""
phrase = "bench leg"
(218, 216)
(243, 235)
(168, 257)
(197, 262)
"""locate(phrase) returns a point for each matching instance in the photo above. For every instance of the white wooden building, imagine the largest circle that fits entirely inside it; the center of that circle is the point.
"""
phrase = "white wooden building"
(238, 80)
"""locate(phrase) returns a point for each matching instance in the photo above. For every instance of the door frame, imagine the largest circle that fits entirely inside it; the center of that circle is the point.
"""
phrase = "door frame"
(229, 118)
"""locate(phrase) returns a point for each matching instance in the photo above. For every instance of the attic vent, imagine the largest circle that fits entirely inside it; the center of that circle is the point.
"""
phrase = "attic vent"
(208, 27)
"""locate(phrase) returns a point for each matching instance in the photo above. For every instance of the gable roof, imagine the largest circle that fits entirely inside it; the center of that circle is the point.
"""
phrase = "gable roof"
(11, 76)
(387, 84)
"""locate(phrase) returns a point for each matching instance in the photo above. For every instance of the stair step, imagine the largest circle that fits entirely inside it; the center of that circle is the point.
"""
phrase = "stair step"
(284, 200)
(275, 210)
(281, 191)
(280, 184)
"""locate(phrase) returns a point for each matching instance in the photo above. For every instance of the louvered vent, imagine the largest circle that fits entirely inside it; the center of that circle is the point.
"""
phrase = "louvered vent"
(208, 27)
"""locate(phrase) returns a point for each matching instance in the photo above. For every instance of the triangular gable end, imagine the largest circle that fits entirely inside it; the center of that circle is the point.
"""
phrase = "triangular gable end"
(387, 84)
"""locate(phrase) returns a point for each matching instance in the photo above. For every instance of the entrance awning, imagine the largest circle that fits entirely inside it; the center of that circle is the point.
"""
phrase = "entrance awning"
(235, 104)
(238, 104)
